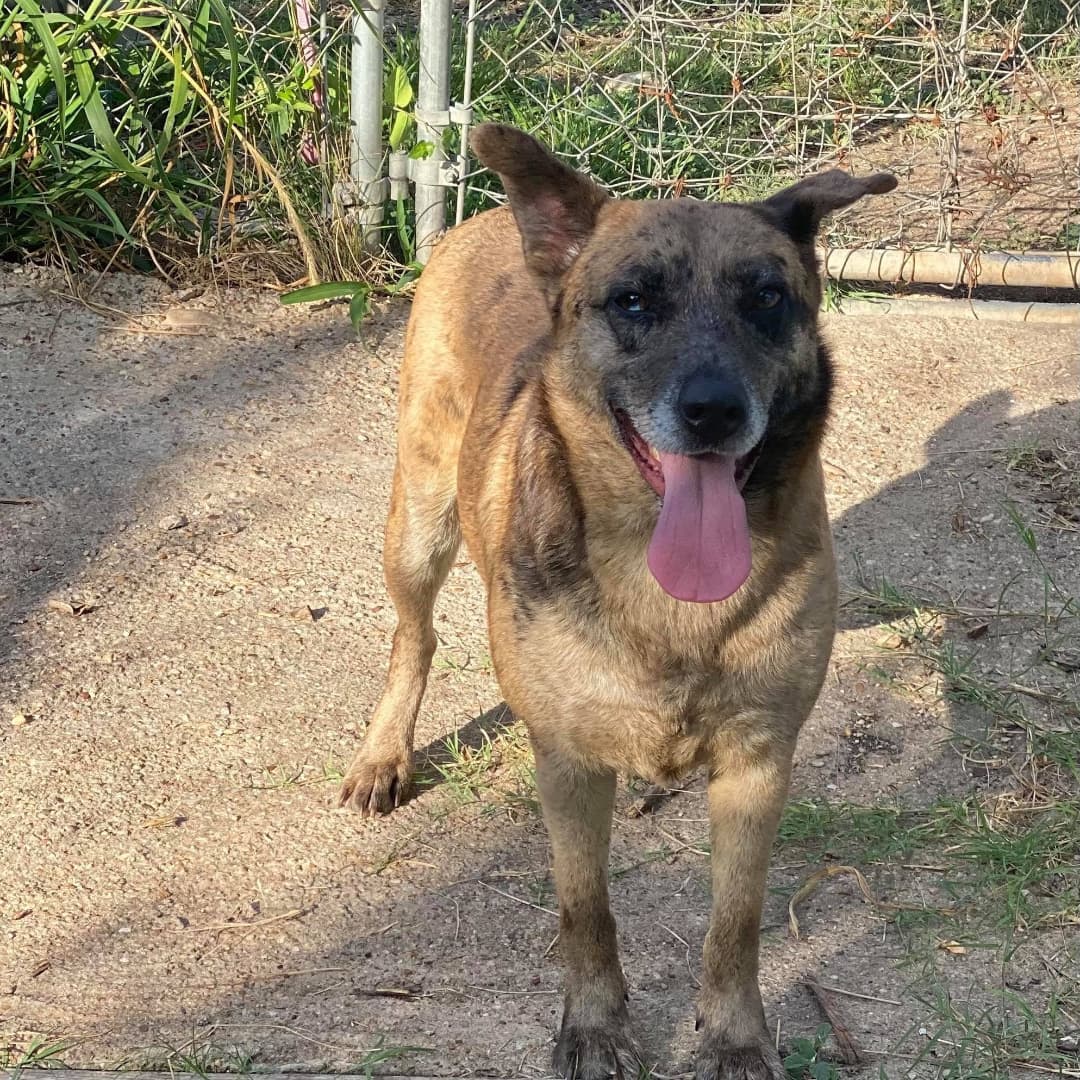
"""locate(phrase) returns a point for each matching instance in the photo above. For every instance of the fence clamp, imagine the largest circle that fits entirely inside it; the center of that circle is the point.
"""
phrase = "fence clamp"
(433, 118)
(435, 172)
(397, 169)
(461, 114)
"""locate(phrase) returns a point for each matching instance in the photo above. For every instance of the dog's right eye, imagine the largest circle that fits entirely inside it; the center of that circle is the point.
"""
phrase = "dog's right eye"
(629, 301)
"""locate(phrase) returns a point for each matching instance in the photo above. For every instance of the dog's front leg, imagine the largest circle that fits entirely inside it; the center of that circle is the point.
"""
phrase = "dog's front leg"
(747, 791)
(595, 1040)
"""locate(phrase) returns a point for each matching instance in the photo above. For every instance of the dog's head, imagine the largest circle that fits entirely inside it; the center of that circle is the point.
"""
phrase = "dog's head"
(692, 327)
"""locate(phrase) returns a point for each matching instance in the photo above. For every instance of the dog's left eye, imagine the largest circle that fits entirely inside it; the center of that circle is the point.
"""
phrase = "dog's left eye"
(633, 303)
(767, 297)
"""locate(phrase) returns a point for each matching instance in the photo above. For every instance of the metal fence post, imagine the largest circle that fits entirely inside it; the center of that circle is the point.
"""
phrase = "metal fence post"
(365, 117)
(432, 120)
(466, 108)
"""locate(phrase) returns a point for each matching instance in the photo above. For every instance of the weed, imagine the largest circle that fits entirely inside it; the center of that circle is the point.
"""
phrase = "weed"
(497, 772)
(1022, 858)
(964, 683)
(804, 1060)
(380, 1054)
(283, 776)
(1013, 861)
(39, 1053)
(837, 293)
(358, 293)
(151, 135)
(873, 833)
(147, 133)
(542, 892)
(452, 660)
(989, 1034)
(879, 596)
(465, 768)
(199, 1057)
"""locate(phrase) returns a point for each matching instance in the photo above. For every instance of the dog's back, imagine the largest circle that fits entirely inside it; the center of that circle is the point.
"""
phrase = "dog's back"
(476, 310)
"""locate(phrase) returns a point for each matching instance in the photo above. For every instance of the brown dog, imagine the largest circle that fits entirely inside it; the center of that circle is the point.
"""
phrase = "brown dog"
(618, 405)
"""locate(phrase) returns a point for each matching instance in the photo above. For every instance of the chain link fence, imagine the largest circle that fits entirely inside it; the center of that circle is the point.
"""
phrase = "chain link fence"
(975, 104)
(237, 133)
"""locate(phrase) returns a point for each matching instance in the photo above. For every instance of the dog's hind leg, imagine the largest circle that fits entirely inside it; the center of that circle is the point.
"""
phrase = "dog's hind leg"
(422, 538)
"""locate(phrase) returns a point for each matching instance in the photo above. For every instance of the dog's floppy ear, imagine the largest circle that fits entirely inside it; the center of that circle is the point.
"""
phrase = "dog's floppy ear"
(799, 209)
(554, 206)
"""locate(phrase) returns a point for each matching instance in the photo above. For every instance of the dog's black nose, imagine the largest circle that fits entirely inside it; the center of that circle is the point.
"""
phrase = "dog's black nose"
(714, 407)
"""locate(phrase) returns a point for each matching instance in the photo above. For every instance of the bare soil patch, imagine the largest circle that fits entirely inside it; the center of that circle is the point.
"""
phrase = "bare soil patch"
(194, 628)
(1015, 176)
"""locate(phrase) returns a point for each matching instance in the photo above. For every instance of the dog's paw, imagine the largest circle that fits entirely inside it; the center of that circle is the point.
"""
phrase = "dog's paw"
(721, 1061)
(596, 1053)
(376, 786)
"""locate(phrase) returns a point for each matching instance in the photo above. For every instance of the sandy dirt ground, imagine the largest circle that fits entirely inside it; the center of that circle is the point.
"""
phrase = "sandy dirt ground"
(193, 629)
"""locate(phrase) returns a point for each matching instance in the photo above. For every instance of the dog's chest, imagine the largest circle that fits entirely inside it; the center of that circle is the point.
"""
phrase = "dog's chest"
(652, 712)
(660, 724)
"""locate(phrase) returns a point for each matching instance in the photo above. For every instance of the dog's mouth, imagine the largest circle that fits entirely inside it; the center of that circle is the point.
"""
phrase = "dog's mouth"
(700, 549)
(648, 460)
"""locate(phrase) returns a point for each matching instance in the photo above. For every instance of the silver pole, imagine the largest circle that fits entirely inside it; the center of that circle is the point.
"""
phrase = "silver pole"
(432, 119)
(365, 116)
(466, 101)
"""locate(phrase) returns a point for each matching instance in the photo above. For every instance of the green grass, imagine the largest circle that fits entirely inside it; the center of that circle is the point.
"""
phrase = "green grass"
(1009, 854)
(979, 1038)
(837, 293)
(879, 596)
(464, 769)
(932, 632)
(379, 1055)
(1020, 859)
(457, 658)
(201, 1057)
(198, 1056)
(1009, 864)
(495, 772)
(138, 135)
(819, 829)
(283, 776)
(38, 1053)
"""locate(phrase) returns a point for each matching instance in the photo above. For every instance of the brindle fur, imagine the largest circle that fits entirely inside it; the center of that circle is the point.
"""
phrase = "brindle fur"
(506, 438)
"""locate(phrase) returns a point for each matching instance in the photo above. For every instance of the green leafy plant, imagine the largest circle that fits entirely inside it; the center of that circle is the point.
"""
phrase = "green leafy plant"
(38, 1054)
(399, 93)
(358, 293)
(144, 133)
(805, 1059)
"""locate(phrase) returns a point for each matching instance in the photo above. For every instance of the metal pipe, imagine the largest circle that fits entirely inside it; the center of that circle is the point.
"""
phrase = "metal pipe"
(980, 310)
(1040, 270)
(466, 101)
(365, 118)
(432, 119)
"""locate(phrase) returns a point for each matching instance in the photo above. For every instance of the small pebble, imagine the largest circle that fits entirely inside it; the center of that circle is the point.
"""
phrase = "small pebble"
(183, 317)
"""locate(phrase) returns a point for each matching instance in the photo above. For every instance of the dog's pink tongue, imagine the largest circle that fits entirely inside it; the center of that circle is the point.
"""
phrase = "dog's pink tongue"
(700, 550)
